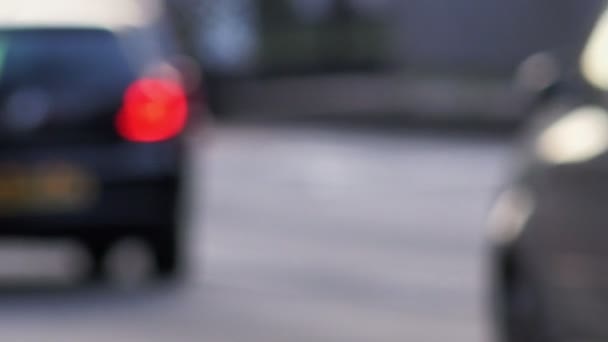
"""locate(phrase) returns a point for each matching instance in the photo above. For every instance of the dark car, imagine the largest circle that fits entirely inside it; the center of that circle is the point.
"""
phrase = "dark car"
(549, 227)
(91, 127)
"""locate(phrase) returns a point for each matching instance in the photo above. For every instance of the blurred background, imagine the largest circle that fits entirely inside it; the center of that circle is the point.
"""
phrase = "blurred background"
(342, 176)
(442, 60)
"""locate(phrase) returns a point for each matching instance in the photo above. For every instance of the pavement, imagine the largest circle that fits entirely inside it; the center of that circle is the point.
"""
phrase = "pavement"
(306, 234)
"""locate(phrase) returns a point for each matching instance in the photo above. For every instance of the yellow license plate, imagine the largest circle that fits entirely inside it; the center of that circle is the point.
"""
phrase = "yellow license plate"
(50, 187)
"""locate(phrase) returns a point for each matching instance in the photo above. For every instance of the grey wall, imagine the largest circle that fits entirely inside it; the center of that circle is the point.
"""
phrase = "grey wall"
(478, 36)
(488, 35)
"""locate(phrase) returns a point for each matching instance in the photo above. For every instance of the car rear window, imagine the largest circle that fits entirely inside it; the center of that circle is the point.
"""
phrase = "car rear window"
(78, 68)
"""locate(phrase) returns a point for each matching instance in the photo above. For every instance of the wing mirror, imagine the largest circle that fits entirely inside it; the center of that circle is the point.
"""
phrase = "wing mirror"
(539, 78)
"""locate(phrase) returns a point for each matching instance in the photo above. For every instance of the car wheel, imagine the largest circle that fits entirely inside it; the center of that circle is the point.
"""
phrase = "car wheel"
(167, 253)
(163, 248)
(98, 249)
(518, 304)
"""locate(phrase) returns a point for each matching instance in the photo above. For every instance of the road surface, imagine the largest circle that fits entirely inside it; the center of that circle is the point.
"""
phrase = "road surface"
(305, 234)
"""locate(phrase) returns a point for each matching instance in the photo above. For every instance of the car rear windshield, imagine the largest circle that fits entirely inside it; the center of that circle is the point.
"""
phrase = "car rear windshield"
(77, 67)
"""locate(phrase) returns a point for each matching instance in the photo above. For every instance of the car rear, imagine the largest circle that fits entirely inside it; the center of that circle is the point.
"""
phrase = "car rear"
(89, 142)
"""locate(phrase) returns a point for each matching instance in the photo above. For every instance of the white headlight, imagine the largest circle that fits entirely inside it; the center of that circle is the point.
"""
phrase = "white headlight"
(510, 214)
(578, 137)
(593, 60)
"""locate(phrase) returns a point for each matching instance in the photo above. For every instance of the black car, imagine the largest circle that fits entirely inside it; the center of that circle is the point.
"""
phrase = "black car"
(549, 227)
(91, 127)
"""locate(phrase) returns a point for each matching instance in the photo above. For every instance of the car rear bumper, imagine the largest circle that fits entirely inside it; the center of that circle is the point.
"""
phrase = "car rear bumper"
(136, 187)
(128, 208)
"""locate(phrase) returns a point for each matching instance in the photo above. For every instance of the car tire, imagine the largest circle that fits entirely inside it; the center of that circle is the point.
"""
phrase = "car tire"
(164, 247)
(167, 254)
(98, 249)
(517, 304)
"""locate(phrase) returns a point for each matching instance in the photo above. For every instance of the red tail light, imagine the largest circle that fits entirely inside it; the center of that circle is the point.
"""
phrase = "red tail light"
(153, 110)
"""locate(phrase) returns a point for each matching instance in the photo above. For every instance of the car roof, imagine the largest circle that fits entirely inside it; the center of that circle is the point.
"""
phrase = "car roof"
(106, 14)
(55, 30)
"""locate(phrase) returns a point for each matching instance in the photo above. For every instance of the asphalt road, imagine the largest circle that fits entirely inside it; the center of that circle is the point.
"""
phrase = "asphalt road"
(303, 234)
